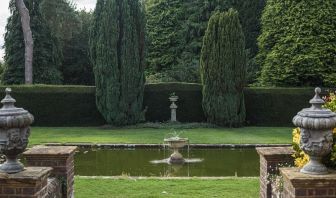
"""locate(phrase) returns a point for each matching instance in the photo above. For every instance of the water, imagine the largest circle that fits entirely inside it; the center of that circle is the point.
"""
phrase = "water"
(136, 162)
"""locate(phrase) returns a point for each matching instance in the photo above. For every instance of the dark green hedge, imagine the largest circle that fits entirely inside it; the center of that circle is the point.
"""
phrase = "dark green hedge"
(75, 105)
(58, 105)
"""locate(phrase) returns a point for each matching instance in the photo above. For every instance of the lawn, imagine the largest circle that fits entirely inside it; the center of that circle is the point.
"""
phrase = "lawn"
(156, 188)
(247, 135)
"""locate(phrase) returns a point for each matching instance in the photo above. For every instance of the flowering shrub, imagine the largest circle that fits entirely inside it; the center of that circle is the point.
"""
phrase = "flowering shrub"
(330, 102)
(300, 157)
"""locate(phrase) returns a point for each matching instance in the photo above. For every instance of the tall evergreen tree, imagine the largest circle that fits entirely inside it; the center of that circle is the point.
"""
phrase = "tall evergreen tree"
(176, 29)
(47, 53)
(223, 70)
(298, 43)
(117, 47)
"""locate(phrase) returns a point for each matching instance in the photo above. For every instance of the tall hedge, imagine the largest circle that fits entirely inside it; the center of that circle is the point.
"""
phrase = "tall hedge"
(117, 47)
(298, 43)
(176, 29)
(223, 70)
(47, 50)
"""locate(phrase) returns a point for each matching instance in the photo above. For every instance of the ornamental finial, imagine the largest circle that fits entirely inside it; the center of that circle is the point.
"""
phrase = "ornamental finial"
(8, 101)
(317, 101)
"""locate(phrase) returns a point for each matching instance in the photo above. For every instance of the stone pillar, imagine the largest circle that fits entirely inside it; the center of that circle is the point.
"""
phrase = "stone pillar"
(298, 184)
(270, 159)
(30, 183)
(60, 158)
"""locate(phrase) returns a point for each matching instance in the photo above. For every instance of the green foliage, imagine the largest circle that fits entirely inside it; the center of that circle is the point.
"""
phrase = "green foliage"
(223, 70)
(176, 29)
(330, 102)
(298, 43)
(77, 67)
(47, 49)
(75, 105)
(71, 27)
(117, 47)
(55, 105)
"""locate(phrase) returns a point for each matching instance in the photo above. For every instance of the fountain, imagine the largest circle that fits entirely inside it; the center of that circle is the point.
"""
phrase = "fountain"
(176, 143)
(176, 158)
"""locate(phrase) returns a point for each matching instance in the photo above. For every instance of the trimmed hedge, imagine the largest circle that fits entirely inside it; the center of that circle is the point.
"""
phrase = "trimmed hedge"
(58, 105)
(75, 105)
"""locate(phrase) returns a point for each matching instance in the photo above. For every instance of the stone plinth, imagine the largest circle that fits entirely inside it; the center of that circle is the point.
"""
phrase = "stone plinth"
(270, 159)
(30, 183)
(60, 158)
(302, 185)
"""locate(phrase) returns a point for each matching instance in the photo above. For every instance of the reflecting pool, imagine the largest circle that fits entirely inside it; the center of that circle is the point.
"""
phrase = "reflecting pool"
(137, 162)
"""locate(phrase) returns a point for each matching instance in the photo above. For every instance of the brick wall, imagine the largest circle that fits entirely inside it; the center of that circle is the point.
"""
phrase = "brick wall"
(270, 159)
(60, 158)
(30, 183)
(299, 185)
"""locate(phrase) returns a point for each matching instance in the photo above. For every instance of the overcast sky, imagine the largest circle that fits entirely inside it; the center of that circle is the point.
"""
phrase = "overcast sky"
(4, 14)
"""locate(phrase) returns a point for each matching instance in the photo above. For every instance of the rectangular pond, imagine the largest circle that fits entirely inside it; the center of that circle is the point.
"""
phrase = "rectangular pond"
(137, 162)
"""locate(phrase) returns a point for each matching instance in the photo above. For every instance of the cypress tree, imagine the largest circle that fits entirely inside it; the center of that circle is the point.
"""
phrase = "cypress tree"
(117, 47)
(298, 43)
(176, 29)
(47, 53)
(223, 70)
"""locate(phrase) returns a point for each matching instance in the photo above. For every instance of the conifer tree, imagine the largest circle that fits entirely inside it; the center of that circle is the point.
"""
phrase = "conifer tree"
(223, 70)
(117, 47)
(47, 53)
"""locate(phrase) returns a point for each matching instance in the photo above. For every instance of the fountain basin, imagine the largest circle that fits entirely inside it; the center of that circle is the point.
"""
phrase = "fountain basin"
(217, 162)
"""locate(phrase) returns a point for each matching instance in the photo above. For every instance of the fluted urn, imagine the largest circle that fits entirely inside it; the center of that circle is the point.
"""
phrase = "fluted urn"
(14, 133)
(316, 125)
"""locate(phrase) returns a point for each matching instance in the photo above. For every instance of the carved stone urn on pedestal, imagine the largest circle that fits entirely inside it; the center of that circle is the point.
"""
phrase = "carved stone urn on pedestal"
(173, 108)
(14, 133)
(316, 138)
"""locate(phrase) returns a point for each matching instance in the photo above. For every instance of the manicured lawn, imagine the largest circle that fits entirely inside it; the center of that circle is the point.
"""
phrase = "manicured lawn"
(263, 135)
(152, 188)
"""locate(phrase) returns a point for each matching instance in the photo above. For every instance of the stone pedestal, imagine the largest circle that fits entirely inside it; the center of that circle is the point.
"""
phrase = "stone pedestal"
(60, 158)
(30, 183)
(270, 159)
(298, 185)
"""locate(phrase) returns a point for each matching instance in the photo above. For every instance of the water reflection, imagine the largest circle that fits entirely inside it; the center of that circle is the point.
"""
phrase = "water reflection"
(136, 162)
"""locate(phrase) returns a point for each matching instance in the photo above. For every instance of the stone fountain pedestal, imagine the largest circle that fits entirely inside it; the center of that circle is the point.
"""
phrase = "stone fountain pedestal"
(176, 143)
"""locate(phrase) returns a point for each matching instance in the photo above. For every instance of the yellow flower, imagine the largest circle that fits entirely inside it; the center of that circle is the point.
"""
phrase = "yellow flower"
(296, 135)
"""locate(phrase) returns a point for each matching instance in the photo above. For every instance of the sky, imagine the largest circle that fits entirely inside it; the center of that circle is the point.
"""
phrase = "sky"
(4, 14)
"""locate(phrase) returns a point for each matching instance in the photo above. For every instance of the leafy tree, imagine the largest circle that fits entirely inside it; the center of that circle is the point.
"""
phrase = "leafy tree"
(47, 52)
(77, 67)
(117, 48)
(223, 70)
(298, 43)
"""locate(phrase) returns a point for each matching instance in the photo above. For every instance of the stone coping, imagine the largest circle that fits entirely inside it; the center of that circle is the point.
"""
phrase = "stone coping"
(162, 178)
(107, 145)
(50, 150)
(29, 173)
(300, 179)
(271, 151)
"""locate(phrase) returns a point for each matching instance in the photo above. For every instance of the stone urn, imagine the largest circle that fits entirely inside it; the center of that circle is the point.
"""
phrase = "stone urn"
(316, 138)
(173, 107)
(14, 133)
(176, 143)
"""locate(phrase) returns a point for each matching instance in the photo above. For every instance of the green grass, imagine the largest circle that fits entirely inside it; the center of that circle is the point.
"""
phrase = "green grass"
(247, 135)
(154, 188)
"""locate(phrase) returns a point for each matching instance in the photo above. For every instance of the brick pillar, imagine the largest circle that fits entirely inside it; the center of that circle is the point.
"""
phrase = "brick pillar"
(30, 183)
(270, 159)
(60, 158)
(298, 185)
